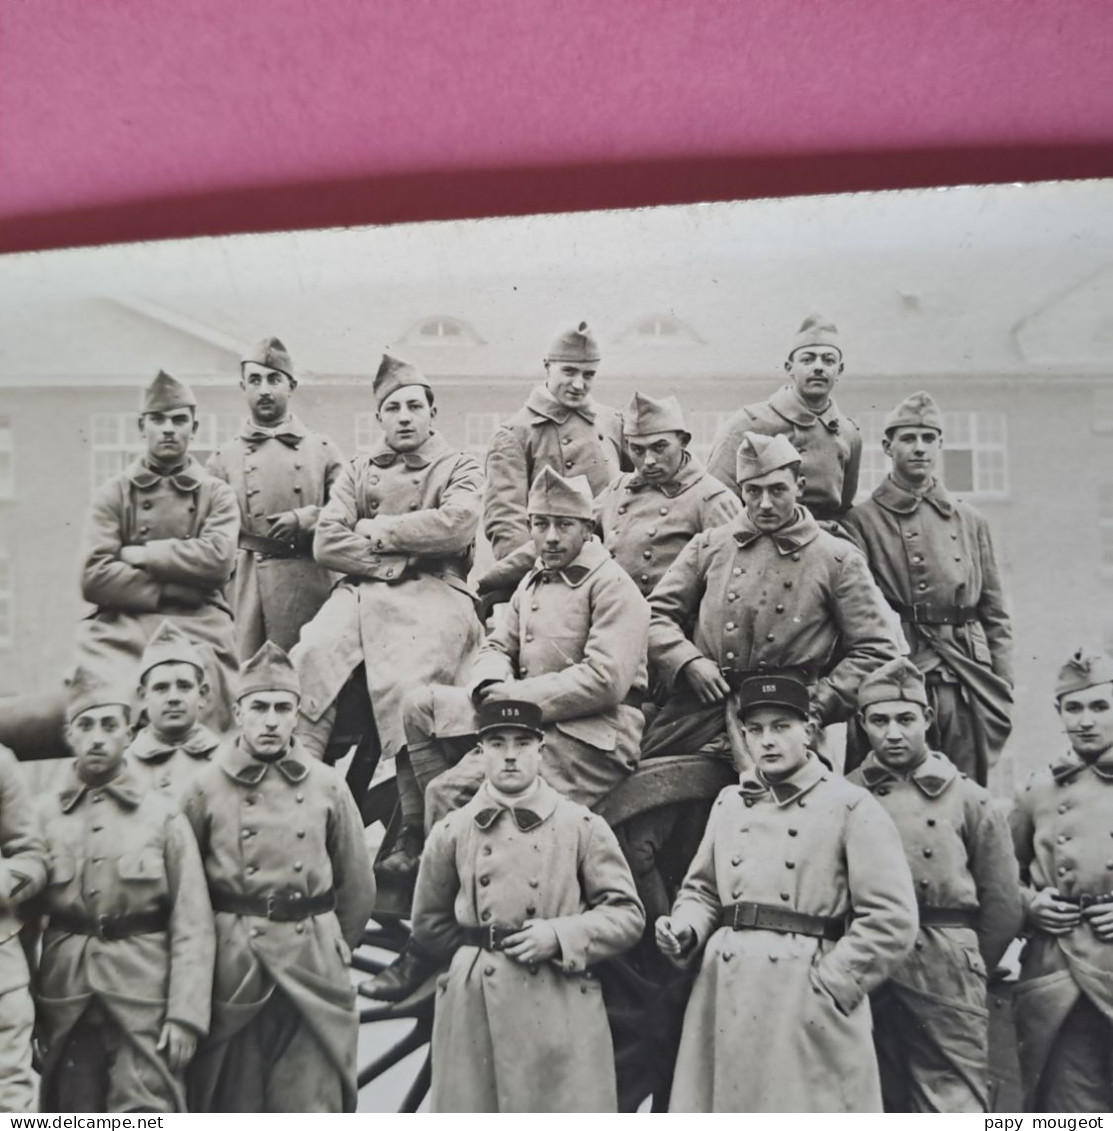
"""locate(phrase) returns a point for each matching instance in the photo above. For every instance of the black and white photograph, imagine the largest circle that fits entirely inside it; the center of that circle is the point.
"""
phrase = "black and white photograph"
(641, 660)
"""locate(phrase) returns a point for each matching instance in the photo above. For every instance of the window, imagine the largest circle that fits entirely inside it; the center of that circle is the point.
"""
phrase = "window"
(116, 440)
(7, 471)
(442, 330)
(1105, 529)
(7, 602)
(974, 459)
(661, 329)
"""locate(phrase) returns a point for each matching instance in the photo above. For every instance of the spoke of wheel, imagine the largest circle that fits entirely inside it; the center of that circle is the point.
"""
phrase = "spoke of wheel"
(394, 1055)
(419, 1089)
(369, 965)
(392, 1012)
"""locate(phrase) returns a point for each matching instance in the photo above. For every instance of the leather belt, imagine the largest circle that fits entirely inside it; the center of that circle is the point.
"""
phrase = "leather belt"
(490, 937)
(279, 906)
(1086, 900)
(271, 547)
(924, 612)
(949, 917)
(110, 928)
(748, 916)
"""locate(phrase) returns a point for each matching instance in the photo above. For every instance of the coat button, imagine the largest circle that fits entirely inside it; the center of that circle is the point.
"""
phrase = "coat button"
(488, 970)
(730, 655)
(780, 608)
(301, 834)
(732, 596)
(770, 637)
(923, 883)
(919, 944)
(299, 797)
(647, 554)
(485, 916)
(931, 822)
(727, 955)
(645, 578)
(788, 584)
(653, 533)
(736, 893)
(792, 832)
(663, 510)
(484, 881)
(300, 929)
(883, 791)
(622, 509)
(568, 463)
(252, 869)
(730, 626)
(736, 860)
(245, 833)
(486, 850)
(922, 586)
(297, 488)
(147, 504)
(531, 911)
(298, 865)
(255, 932)
(533, 883)
(928, 852)
(790, 864)
(795, 557)
(786, 896)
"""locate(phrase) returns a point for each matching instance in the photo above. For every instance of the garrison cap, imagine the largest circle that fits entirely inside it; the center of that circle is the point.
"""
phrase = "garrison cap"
(773, 691)
(493, 714)
(86, 689)
(1084, 669)
(759, 455)
(645, 416)
(395, 374)
(271, 353)
(916, 411)
(170, 645)
(816, 331)
(577, 345)
(899, 678)
(268, 670)
(166, 393)
(566, 498)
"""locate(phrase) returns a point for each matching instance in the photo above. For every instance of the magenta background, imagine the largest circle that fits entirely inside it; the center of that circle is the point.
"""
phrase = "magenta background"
(138, 119)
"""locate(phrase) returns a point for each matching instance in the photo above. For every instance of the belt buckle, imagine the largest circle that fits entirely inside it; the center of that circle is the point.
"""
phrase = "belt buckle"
(1087, 900)
(104, 930)
(743, 916)
(919, 610)
(272, 904)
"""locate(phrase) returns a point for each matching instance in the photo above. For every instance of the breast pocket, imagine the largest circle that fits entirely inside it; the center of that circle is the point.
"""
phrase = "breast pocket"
(140, 867)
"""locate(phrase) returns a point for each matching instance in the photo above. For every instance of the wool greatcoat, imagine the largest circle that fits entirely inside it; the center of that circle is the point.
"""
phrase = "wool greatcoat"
(22, 875)
(1062, 822)
(781, 1022)
(645, 525)
(931, 1024)
(401, 528)
(798, 599)
(543, 433)
(170, 766)
(286, 826)
(189, 523)
(275, 471)
(935, 551)
(829, 443)
(508, 1037)
(118, 850)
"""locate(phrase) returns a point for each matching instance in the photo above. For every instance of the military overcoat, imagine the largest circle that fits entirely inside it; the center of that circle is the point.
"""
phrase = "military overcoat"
(781, 1022)
(508, 1037)
(543, 433)
(170, 766)
(285, 470)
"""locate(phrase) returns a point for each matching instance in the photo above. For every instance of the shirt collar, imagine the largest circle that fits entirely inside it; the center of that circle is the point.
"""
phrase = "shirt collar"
(187, 480)
(200, 742)
(931, 776)
(591, 556)
(291, 431)
(789, 539)
(786, 402)
(754, 785)
(241, 767)
(536, 811)
(1071, 766)
(542, 402)
(385, 456)
(123, 788)
(688, 475)
(893, 497)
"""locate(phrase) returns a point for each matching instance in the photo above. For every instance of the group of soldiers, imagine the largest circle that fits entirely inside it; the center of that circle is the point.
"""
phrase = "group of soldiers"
(189, 898)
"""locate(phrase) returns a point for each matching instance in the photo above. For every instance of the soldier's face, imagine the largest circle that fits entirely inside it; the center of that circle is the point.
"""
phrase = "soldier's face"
(777, 740)
(268, 393)
(407, 418)
(770, 500)
(569, 383)
(558, 540)
(897, 733)
(511, 758)
(914, 451)
(657, 456)
(1088, 720)
(266, 720)
(168, 434)
(173, 695)
(814, 370)
(98, 738)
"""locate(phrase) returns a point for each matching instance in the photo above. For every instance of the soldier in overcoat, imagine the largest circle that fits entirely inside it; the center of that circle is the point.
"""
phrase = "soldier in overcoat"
(524, 891)
(1062, 821)
(829, 442)
(562, 427)
(174, 744)
(930, 1019)
(400, 526)
(160, 543)
(291, 886)
(797, 904)
(932, 556)
(22, 875)
(126, 970)
(282, 474)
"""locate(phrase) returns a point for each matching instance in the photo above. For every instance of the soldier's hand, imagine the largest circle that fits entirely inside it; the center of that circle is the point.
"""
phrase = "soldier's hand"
(672, 939)
(495, 690)
(177, 1043)
(283, 526)
(1052, 914)
(1100, 918)
(705, 679)
(536, 942)
(134, 556)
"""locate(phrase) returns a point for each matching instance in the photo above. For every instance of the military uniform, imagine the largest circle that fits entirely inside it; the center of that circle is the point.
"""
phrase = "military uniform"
(277, 587)
(930, 1018)
(169, 767)
(778, 1019)
(22, 875)
(128, 946)
(510, 1037)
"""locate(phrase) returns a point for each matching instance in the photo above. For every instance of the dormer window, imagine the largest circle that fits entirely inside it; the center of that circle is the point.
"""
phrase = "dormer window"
(442, 329)
(664, 329)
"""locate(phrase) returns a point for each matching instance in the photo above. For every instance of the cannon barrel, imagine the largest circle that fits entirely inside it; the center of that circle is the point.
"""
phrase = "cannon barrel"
(32, 726)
